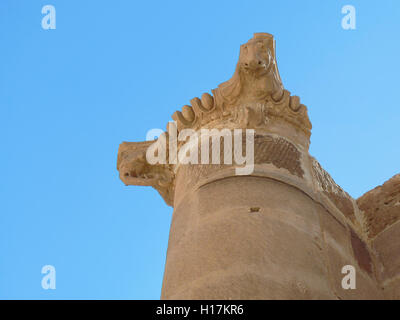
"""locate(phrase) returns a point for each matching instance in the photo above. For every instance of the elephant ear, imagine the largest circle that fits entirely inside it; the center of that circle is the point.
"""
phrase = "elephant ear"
(230, 90)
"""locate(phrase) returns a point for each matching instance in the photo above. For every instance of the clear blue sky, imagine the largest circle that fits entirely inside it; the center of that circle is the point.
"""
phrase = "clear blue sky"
(112, 70)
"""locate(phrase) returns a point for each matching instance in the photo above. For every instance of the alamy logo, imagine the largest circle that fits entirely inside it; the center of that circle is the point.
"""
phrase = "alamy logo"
(49, 280)
(349, 20)
(190, 139)
(49, 20)
(349, 280)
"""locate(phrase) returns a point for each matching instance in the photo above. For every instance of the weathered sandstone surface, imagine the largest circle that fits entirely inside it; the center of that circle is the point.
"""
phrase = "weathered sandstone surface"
(283, 230)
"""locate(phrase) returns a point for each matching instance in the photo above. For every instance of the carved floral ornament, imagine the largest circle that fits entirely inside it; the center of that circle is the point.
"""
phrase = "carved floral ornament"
(254, 98)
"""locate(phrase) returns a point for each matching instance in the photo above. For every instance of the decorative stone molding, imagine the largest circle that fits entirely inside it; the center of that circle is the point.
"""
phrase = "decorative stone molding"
(135, 170)
(254, 98)
(273, 221)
